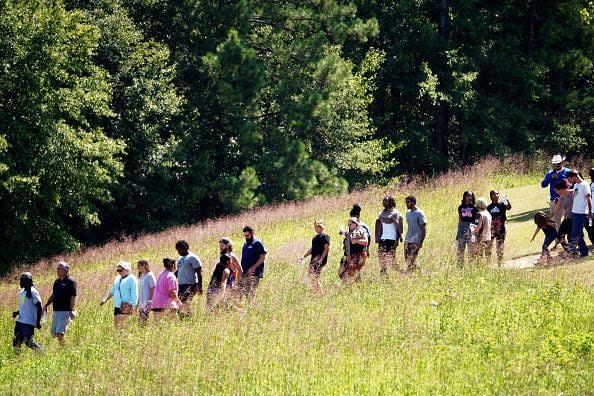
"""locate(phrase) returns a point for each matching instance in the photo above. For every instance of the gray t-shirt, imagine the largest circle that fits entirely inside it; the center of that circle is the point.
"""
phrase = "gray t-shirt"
(186, 269)
(147, 282)
(27, 307)
(567, 205)
(415, 219)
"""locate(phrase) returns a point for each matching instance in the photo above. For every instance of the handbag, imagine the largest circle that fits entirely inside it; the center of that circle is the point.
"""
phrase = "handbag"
(125, 308)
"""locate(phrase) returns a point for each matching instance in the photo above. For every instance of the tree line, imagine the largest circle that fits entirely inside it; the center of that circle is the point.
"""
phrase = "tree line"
(123, 116)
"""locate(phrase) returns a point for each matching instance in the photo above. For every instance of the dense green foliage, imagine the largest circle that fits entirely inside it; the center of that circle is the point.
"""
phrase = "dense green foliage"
(129, 115)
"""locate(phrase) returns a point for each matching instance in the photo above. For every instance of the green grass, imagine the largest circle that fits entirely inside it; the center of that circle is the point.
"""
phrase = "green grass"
(443, 330)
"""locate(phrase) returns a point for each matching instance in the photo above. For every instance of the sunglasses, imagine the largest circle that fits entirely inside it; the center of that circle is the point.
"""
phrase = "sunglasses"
(119, 270)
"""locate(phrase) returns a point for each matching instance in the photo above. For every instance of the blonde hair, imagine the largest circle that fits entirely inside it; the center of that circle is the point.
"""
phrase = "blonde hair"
(319, 223)
(481, 203)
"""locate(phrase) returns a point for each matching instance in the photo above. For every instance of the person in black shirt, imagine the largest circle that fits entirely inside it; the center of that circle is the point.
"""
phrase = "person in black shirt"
(466, 221)
(320, 245)
(62, 299)
(498, 210)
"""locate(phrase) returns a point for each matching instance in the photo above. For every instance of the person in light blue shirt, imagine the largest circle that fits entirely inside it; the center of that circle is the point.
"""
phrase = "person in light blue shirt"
(124, 292)
(554, 176)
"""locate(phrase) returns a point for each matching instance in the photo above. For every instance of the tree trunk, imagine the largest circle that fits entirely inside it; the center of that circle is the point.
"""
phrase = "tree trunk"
(531, 27)
(441, 134)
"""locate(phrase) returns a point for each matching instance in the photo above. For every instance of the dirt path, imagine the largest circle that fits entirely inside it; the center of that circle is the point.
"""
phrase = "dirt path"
(532, 260)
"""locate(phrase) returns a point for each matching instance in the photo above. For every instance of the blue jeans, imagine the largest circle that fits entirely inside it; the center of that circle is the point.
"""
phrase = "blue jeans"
(577, 235)
(550, 236)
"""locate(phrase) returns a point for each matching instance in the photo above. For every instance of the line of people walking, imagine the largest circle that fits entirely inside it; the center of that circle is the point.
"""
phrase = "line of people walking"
(168, 295)
(389, 232)
(481, 228)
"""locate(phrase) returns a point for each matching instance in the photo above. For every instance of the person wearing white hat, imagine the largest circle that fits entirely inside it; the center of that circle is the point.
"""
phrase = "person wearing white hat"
(554, 176)
(124, 292)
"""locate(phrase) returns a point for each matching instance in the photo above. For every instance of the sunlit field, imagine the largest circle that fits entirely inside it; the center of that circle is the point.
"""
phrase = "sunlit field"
(443, 330)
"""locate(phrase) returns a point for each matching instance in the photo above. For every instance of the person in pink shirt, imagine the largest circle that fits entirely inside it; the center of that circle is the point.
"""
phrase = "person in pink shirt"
(165, 299)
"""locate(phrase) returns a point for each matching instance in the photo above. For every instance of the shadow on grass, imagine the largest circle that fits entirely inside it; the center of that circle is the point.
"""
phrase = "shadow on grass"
(525, 216)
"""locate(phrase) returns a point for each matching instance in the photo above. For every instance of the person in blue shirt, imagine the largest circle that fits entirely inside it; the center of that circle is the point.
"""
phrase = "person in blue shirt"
(554, 176)
(253, 255)
(124, 292)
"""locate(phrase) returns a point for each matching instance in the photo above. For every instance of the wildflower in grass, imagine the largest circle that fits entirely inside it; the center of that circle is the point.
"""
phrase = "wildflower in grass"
(482, 230)
(253, 256)
(124, 292)
(355, 254)
(29, 314)
(466, 221)
(552, 177)
(165, 300)
(388, 232)
(189, 272)
(63, 299)
(416, 232)
(147, 289)
(320, 246)
(549, 228)
(498, 211)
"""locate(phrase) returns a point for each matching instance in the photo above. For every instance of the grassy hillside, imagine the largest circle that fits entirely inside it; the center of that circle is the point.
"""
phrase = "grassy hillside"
(443, 330)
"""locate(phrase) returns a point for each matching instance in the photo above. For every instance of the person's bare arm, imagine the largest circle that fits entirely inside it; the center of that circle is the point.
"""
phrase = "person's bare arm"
(423, 234)
(260, 261)
(237, 268)
(325, 252)
(535, 232)
(109, 295)
(173, 294)
(48, 302)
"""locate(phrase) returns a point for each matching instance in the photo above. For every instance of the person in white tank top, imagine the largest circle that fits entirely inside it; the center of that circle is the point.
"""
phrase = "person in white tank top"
(388, 232)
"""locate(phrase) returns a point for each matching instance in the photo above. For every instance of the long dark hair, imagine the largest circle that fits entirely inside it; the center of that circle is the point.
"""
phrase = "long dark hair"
(468, 193)
(541, 219)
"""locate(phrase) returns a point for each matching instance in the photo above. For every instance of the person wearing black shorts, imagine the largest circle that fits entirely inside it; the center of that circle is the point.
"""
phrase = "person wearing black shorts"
(320, 246)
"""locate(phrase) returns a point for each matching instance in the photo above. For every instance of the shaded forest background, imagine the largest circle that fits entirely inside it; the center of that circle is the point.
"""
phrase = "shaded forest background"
(124, 116)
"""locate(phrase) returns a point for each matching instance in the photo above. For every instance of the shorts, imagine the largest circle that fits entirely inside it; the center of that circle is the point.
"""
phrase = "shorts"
(60, 321)
(248, 284)
(387, 246)
(498, 231)
(315, 267)
(23, 329)
(187, 292)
